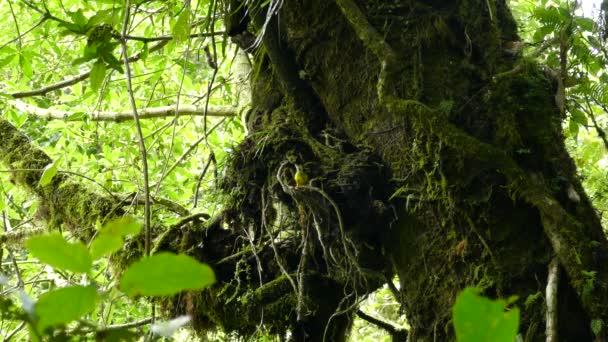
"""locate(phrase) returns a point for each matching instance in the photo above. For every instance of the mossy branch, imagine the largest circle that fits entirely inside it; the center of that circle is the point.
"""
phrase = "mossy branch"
(567, 235)
(570, 239)
(63, 201)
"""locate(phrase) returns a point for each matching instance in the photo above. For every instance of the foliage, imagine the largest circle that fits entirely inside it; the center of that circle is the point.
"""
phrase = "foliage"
(478, 319)
(159, 275)
(177, 49)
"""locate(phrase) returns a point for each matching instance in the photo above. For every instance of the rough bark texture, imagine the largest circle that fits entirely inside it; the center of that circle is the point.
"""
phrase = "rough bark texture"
(477, 172)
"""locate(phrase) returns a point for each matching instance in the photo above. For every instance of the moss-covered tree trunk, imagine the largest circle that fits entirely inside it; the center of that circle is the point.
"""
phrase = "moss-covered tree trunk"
(385, 138)
(432, 151)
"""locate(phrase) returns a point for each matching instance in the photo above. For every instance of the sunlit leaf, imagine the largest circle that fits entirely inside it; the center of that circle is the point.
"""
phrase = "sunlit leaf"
(25, 62)
(122, 226)
(65, 305)
(54, 250)
(181, 29)
(165, 274)
(479, 319)
(49, 172)
(105, 244)
(98, 73)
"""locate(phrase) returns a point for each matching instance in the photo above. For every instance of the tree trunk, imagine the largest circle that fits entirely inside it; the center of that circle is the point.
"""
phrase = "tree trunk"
(432, 151)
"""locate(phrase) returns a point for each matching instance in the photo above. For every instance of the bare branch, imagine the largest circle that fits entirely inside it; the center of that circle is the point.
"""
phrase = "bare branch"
(147, 113)
(397, 332)
(168, 37)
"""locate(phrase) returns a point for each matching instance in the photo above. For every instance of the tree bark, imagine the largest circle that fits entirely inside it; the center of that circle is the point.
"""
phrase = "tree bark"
(477, 175)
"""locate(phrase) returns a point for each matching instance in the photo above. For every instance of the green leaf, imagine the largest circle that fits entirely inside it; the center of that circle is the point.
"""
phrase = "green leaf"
(586, 24)
(181, 29)
(573, 127)
(49, 172)
(165, 274)
(54, 250)
(112, 61)
(144, 52)
(578, 116)
(596, 326)
(122, 226)
(478, 319)
(64, 305)
(78, 17)
(98, 73)
(25, 62)
(6, 60)
(105, 244)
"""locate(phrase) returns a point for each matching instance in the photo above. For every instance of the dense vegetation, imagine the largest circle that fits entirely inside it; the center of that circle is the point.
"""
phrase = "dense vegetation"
(146, 137)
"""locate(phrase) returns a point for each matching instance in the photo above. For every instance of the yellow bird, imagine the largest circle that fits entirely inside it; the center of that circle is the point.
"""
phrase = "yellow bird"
(300, 177)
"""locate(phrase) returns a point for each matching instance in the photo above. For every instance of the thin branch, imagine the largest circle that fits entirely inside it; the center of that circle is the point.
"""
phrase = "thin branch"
(14, 332)
(142, 143)
(397, 332)
(43, 19)
(79, 78)
(6, 223)
(147, 113)
(190, 149)
(128, 325)
(600, 132)
(200, 178)
(551, 298)
(168, 37)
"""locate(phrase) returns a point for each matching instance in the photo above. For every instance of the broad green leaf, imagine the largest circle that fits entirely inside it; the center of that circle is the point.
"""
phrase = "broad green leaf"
(122, 226)
(54, 250)
(25, 62)
(584, 23)
(6, 60)
(573, 127)
(578, 116)
(105, 244)
(49, 172)
(98, 73)
(144, 52)
(479, 319)
(112, 61)
(78, 18)
(165, 274)
(64, 305)
(181, 29)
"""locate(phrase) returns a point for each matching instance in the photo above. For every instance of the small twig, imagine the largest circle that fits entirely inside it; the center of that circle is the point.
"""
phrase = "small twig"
(142, 143)
(190, 149)
(551, 298)
(10, 5)
(128, 325)
(200, 178)
(168, 37)
(14, 332)
(600, 132)
(7, 229)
